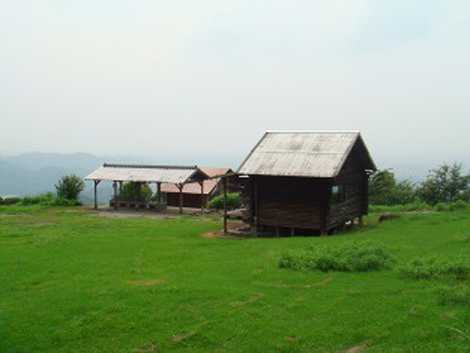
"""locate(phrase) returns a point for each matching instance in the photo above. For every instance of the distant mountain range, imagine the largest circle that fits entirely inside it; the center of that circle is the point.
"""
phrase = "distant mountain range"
(34, 173)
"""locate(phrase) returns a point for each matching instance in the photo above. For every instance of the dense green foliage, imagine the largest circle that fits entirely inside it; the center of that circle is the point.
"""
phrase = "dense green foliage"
(233, 201)
(69, 187)
(446, 184)
(133, 191)
(357, 256)
(437, 267)
(385, 190)
(76, 282)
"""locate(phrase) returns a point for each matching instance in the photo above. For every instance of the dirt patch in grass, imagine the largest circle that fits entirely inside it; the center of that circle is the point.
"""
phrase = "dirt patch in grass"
(146, 282)
(254, 298)
(359, 348)
(186, 335)
(322, 283)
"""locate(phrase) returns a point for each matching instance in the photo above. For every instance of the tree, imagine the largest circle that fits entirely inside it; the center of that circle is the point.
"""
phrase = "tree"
(69, 187)
(445, 184)
(385, 190)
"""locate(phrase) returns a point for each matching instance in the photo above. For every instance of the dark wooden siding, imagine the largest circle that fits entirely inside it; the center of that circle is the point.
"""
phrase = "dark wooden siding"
(189, 200)
(289, 202)
(354, 180)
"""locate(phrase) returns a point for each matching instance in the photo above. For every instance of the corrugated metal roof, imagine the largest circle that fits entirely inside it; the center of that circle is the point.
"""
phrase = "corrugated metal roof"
(317, 154)
(195, 188)
(145, 173)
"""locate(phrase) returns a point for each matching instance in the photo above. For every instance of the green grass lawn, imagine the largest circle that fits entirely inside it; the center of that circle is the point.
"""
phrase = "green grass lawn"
(72, 281)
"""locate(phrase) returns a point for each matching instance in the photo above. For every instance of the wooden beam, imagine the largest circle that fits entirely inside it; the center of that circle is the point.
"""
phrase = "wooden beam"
(159, 192)
(225, 205)
(96, 182)
(115, 195)
(202, 197)
(256, 213)
(180, 187)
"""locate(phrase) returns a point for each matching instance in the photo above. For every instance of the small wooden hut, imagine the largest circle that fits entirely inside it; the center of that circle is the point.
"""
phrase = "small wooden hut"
(306, 181)
(196, 194)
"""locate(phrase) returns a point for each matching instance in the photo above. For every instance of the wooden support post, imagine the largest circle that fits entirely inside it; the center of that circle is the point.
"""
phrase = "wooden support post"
(256, 204)
(180, 187)
(292, 232)
(159, 192)
(225, 205)
(115, 195)
(96, 182)
(277, 232)
(202, 197)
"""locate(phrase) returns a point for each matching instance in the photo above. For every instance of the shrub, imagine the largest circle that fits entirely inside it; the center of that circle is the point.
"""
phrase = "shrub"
(133, 191)
(359, 256)
(233, 201)
(442, 207)
(1, 200)
(69, 187)
(435, 267)
(11, 200)
(457, 295)
(42, 199)
(64, 202)
(458, 205)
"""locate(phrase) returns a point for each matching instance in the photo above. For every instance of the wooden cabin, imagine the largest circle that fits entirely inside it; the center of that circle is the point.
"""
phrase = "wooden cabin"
(196, 195)
(303, 182)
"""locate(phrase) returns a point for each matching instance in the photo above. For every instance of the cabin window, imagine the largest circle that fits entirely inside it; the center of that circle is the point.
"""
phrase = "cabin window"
(338, 194)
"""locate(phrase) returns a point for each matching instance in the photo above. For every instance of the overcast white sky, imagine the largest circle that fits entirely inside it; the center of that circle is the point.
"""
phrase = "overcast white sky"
(206, 78)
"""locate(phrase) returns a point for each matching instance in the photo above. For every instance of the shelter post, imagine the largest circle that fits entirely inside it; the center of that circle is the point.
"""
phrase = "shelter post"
(159, 192)
(96, 182)
(202, 196)
(225, 205)
(115, 195)
(180, 188)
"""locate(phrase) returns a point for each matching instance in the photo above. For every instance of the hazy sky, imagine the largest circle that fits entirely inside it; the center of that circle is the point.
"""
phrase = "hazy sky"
(206, 78)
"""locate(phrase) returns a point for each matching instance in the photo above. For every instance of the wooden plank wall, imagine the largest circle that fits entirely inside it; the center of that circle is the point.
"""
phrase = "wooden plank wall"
(291, 202)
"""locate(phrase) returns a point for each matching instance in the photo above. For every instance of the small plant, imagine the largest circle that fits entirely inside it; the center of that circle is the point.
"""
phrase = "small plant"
(69, 187)
(436, 267)
(233, 201)
(360, 256)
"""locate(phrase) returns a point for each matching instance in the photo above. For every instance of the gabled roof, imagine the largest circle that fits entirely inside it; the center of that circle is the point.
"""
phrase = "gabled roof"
(316, 154)
(147, 173)
(195, 188)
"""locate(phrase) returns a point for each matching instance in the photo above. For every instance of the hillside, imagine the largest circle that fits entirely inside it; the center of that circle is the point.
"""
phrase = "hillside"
(73, 281)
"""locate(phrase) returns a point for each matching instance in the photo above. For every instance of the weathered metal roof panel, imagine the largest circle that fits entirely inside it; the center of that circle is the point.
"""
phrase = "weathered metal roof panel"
(143, 173)
(318, 154)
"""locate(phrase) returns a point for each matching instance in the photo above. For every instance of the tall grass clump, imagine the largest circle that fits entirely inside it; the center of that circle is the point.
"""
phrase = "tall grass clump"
(359, 256)
(457, 295)
(437, 268)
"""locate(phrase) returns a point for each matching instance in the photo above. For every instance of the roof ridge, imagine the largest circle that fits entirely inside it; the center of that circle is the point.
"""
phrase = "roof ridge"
(313, 131)
(147, 166)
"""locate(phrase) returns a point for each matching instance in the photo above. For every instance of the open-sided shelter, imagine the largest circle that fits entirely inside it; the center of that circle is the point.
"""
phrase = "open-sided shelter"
(196, 194)
(158, 174)
(303, 181)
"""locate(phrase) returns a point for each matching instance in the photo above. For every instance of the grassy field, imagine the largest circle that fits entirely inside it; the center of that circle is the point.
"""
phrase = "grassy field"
(72, 281)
